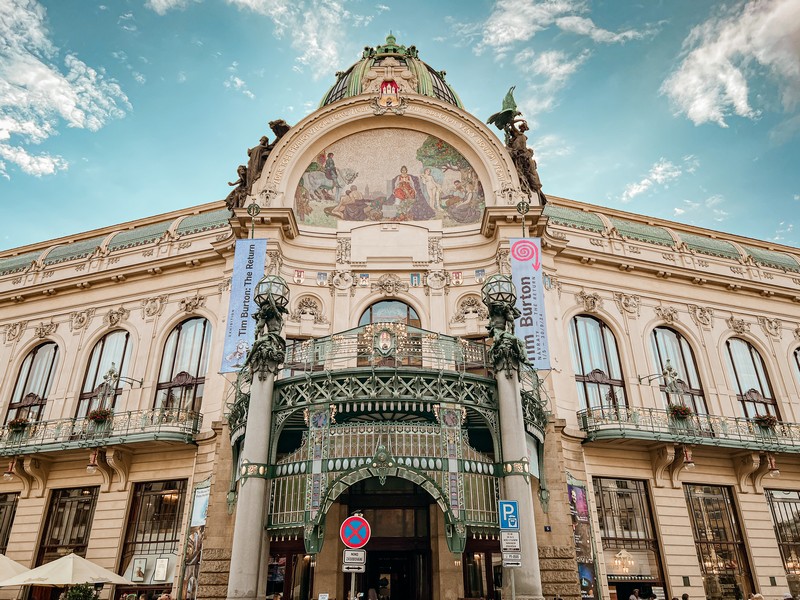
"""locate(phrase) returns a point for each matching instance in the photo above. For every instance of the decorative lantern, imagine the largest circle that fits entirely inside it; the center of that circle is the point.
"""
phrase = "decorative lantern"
(499, 289)
(275, 286)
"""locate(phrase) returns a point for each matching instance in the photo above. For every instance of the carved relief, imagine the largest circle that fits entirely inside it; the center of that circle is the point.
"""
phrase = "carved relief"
(342, 251)
(470, 306)
(43, 329)
(739, 326)
(591, 302)
(192, 303)
(114, 317)
(154, 306)
(551, 282)
(701, 315)
(342, 280)
(668, 313)
(597, 242)
(224, 285)
(770, 326)
(435, 280)
(14, 331)
(504, 262)
(435, 250)
(628, 303)
(797, 334)
(80, 319)
(390, 285)
(308, 306)
(275, 262)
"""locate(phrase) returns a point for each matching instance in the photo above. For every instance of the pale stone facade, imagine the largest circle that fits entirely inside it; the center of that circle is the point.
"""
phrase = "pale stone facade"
(629, 272)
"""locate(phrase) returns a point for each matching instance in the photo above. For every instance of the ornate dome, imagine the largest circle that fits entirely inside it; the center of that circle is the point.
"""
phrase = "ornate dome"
(391, 63)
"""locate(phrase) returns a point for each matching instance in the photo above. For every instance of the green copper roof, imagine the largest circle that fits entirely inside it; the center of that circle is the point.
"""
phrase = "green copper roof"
(430, 82)
(641, 232)
(577, 219)
(204, 221)
(777, 260)
(15, 264)
(73, 251)
(710, 246)
(138, 236)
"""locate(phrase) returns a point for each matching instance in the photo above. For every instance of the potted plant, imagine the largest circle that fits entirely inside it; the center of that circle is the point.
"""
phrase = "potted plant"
(680, 411)
(766, 421)
(18, 424)
(83, 591)
(100, 415)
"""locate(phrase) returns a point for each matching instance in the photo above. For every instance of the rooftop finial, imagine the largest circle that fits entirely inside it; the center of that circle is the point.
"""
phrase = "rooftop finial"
(390, 39)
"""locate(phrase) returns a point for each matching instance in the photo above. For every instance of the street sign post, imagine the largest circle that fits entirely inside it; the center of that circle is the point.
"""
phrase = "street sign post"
(354, 557)
(508, 510)
(509, 541)
(355, 533)
(354, 569)
(509, 514)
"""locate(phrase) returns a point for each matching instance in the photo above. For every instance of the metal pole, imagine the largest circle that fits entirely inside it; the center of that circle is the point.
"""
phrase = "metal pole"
(353, 586)
(513, 588)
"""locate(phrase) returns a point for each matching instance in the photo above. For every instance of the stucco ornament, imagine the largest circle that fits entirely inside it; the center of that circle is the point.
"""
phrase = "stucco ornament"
(192, 303)
(771, 327)
(628, 303)
(43, 329)
(797, 334)
(435, 250)
(591, 302)
(470, 306)
(308, 306)
(14, 331)
(667, 313)
(154, 306)
(389, 285)
(115, 316)
(436, 280)
(342, 280)
(701, 315)
(342, 251)
(80, 319)
(739, 326)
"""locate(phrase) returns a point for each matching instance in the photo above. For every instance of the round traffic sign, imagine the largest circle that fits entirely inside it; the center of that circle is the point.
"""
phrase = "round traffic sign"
(355, 532)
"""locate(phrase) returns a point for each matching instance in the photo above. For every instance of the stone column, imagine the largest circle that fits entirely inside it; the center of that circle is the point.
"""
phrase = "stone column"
(250, 542)
(508, 356)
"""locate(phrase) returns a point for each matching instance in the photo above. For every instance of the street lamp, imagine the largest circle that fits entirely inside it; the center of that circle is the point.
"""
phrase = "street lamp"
(274, 287)
(499, 289)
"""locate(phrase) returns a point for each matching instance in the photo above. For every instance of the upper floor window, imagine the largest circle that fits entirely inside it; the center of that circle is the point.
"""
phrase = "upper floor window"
(797, 363)
(390, 311)
(670, 346)
(595, 359)
(749, 377)
(33, 383)
(183, 366)
(114, 349)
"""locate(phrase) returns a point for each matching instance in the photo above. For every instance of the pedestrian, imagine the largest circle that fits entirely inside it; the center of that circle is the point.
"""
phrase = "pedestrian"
(685, 596)
(634, 595)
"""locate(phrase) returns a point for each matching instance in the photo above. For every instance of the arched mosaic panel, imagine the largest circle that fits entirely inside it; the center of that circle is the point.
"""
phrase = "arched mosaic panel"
(389, 175)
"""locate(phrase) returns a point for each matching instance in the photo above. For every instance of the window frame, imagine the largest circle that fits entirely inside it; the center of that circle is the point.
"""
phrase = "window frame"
(597, 378)
(694, 397)
(60, 503)
(31, 404)
(752, 398)
(189, 386)
(8, 510)
(89, 400)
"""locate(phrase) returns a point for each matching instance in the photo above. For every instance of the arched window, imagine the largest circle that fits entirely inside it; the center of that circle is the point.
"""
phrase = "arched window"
(390, 311)
(797, 364)
(113, 349)
(670, 346)
(598, 373)
(33, 383)
(749, 377)
(183, 366)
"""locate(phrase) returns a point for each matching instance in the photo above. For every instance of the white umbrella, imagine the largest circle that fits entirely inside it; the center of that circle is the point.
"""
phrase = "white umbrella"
(68, 570)
(10, 568)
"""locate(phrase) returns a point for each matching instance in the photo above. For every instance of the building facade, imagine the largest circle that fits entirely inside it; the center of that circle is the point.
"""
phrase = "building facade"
(659, 451)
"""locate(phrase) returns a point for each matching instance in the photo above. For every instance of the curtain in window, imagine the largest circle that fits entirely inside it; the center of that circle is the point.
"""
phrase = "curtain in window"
(183, 366)
(595, 359)
(669, 345)
(749, 379)
(114, 348)
(33, 383)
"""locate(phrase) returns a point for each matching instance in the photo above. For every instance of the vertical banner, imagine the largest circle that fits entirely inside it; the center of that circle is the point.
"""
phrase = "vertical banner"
(193, 553)
(530, 327)
(248, 268)
(582, 532)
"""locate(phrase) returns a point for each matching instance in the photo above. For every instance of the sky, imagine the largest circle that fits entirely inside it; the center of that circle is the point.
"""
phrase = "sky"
(687, 110)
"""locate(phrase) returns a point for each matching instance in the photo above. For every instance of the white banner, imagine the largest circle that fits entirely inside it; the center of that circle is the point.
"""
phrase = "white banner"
(531, 326)
(248, 269)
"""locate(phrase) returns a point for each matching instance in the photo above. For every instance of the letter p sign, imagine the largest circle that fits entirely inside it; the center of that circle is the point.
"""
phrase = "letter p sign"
(509, 514)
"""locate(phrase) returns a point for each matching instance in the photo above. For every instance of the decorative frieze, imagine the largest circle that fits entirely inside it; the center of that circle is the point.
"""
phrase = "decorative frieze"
(342, 251)
(591, 302)
(668, 314)
(115, 316)
(80, 319)
(42, 330)
(14, 331)
(771, 327)
(739, 326)
(628, 303)
(275, 263)
(701, 315)
(435, 250)
(503, 261)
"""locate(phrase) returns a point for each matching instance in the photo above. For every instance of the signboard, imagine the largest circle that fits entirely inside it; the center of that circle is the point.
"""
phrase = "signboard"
(530, 326)
(511, 564)
(323, 597)
(354, 568)
(512, 556)
(354, 557)
(355, 532)
(248, 269)
(509, 514)
(509, 541)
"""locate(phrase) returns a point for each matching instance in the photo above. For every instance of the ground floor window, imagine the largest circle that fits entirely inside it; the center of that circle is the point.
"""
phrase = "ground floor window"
(290, 572)
(69, 522)
(628, 539)
(8, 507)
(482, 566)
(719, 542)
(785, 507)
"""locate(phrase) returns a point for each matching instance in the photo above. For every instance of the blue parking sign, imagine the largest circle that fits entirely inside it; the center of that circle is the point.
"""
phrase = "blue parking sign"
(509, 514)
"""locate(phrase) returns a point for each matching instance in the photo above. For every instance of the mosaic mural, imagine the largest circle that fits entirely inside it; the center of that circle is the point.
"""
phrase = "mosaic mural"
(389, 175)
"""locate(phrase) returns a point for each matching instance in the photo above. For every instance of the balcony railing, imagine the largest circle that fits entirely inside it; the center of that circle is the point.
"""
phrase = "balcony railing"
(607, 423)
(394, 345)
(123, 427)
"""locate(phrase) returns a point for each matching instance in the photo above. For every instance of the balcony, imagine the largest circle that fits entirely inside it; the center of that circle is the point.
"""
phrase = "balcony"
(123, 428)
(656, 425)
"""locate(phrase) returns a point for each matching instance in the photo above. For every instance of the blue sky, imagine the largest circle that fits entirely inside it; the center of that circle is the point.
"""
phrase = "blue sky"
(682, 109)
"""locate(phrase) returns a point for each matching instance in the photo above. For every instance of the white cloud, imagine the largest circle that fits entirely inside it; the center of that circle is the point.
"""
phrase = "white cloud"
(138, 77)
(711, 208)
(37, 95)
(760, 37)
(549, 146)
(235, 83)
(661, 174)
(549, 72)
(181, 78)
(585, 26)
(797, 196)
(161, 7)
(126, 21)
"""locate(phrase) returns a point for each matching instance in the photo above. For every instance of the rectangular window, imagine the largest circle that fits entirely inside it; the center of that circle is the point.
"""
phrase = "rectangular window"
(8, 507)
(630, 547)
(785, 506)
(69, 522)
(155, 519)
(719, 541)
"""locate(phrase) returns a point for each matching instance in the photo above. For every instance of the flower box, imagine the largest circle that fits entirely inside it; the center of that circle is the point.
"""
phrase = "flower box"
(680, 411)
(766, 421)
(19, 424)
(100, 415)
